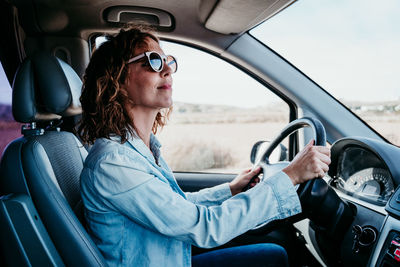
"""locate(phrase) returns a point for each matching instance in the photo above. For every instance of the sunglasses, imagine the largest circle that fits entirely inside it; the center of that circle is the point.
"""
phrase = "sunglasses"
(156, 61)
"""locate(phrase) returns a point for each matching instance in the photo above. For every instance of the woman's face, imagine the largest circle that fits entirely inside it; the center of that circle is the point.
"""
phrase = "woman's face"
(146, 88)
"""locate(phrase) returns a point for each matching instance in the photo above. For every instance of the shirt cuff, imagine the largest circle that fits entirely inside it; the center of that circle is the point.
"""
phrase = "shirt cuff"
(285, 193)
(222, 191)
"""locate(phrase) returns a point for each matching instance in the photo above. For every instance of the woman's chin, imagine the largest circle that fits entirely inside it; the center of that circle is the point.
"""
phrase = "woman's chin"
(168, 104)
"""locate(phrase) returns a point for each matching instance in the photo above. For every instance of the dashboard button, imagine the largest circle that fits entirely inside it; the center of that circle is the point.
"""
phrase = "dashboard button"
(397, 254)
(395, 243)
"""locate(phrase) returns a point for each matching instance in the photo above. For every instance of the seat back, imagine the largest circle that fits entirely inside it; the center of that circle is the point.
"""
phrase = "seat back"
(44, 168)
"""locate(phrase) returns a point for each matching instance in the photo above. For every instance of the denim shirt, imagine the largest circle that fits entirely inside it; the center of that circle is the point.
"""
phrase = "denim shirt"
(138, 216)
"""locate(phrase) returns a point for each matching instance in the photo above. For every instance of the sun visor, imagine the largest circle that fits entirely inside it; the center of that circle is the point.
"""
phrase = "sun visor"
(236, 16)
(129, 14)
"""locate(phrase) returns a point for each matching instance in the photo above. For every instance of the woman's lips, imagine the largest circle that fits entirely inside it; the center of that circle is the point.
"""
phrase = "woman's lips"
(165, 87)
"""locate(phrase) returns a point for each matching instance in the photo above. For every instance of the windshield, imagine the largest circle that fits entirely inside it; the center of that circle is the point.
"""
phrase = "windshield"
(350, 48)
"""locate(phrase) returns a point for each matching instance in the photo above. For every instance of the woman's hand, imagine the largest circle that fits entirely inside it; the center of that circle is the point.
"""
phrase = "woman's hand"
(311, 162)
(243, 179)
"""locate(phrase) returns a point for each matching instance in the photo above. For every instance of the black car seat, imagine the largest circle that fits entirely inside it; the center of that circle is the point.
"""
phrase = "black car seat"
(40, 204)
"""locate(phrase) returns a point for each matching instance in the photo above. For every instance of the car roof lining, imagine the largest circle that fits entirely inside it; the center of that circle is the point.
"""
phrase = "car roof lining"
(71, 16)
(44, 21)
(78, 20)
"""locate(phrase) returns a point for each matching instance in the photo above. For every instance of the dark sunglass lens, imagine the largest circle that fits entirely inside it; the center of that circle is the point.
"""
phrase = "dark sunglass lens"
(155, 61)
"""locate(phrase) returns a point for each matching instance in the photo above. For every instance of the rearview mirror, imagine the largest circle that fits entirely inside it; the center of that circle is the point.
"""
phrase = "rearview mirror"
(280, 153)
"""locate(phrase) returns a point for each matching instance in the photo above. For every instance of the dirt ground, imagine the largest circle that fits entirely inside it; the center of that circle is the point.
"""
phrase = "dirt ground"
(213, 146)
(226, 146)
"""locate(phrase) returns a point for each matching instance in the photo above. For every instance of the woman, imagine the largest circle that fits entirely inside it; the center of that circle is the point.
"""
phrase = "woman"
(136, 213)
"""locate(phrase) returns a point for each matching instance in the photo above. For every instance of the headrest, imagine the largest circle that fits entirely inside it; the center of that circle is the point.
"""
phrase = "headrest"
(45, 88)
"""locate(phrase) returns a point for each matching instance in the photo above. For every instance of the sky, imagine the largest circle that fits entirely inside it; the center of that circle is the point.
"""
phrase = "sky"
(201, 75)
(349, 47)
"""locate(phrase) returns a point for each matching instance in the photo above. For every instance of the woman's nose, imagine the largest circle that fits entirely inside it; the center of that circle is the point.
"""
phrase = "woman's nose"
(167, 70)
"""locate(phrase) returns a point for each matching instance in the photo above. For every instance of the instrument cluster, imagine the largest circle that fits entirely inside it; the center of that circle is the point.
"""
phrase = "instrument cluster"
(363, 175)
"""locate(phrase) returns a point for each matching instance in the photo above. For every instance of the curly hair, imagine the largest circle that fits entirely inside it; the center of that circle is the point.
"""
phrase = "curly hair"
(103, 97)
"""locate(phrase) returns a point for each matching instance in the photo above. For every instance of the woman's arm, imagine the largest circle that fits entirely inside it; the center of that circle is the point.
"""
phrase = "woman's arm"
(218, 194)
(210, 196)
(152, 203)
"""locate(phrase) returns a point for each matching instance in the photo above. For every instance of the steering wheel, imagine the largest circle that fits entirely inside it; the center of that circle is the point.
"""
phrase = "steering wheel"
(319, 135)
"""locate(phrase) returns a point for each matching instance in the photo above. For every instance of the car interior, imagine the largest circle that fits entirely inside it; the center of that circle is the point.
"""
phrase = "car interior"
(44, 50)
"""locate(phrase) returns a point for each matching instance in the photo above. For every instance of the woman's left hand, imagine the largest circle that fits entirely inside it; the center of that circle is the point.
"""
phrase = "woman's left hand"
(243, 179)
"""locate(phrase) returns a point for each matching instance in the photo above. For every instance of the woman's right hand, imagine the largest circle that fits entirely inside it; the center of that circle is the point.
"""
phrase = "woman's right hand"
(311, 162)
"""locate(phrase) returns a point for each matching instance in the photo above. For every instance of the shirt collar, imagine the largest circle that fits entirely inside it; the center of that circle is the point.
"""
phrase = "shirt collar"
(155, 146)
(152, 154)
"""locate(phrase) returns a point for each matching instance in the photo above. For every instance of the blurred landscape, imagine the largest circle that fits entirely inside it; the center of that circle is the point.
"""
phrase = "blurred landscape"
(214, 137)
(211, 138)
(384, 117)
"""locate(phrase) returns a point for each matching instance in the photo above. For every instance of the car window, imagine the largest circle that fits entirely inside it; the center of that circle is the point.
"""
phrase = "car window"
(350, 48)
(9, 128)
(219, 112)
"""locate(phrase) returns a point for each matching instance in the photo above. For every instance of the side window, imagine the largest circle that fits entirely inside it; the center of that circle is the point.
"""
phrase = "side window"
(9, 129)
(219, 112)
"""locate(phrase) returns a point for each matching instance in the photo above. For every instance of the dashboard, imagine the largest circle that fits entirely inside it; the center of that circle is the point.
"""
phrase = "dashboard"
(365, 174)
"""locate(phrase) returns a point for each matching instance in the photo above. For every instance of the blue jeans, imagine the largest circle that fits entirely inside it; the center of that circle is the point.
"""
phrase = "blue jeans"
(248, 256)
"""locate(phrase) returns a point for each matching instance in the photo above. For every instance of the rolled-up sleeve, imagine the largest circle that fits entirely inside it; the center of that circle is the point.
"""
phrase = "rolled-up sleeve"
(211, 196)
(152, 203)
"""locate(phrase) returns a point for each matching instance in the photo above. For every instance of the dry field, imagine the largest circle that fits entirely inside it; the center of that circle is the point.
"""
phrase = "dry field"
(389, 127)
(222, 141)
(210, 147)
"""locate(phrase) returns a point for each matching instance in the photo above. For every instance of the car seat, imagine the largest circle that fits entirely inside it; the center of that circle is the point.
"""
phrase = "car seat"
(40, 204)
